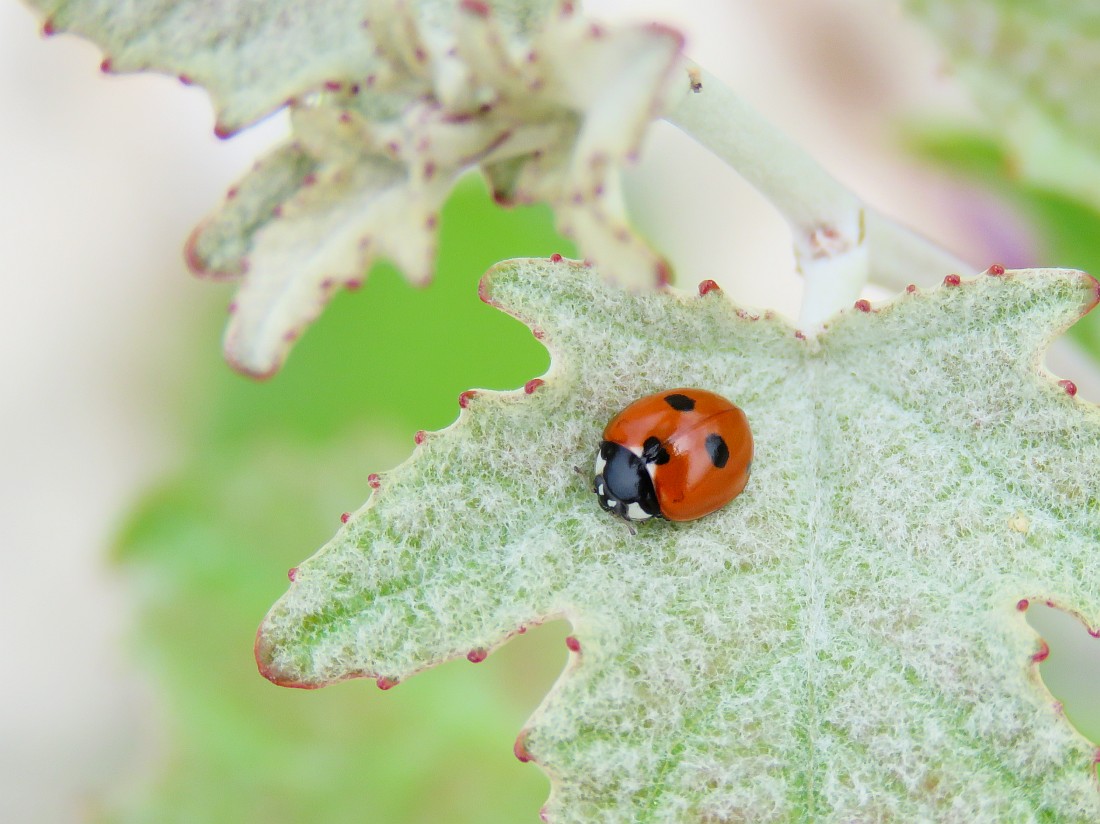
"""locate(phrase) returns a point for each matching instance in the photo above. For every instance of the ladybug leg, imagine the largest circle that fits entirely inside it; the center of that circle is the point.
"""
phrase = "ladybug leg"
(594, 482)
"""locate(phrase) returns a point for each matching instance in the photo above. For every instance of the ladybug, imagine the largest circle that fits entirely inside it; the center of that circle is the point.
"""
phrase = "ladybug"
(679, 454)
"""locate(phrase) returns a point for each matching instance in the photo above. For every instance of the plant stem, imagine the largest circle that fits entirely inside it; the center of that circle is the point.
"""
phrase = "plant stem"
(900, 256)
(835, 234)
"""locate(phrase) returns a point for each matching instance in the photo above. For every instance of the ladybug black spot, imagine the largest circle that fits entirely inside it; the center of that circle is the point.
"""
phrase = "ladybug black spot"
(717, 449)
(653, 451)
(681, 403)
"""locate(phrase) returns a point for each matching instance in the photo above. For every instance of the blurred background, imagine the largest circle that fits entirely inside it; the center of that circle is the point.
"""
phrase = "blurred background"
(151, 500)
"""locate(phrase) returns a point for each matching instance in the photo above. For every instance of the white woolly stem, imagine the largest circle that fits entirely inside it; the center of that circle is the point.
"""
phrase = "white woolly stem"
(834, 232)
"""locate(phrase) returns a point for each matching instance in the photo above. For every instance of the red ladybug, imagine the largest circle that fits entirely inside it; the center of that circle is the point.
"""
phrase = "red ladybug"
(680, 454)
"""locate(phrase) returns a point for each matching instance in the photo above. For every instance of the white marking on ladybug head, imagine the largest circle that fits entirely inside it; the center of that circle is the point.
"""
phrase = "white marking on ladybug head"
(635, 512)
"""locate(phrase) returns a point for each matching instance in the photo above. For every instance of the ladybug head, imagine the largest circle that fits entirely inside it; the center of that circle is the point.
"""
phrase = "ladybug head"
(622, 483)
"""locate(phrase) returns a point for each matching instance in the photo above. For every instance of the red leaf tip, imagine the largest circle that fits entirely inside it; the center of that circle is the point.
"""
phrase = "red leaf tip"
(520, 747)
(1023, 604)
(952, 280)
(573, 644)
(1042, 654)
(664, 273)
(465, 398)
(385, 683)
(345, 517)
(483, 291)
(373, 480)
(476, 656)
(292, 574)
(532, 385)
(1069, 386)
(996, 269)
(708, 286)
(863, 305)
(555, 258)
(191, 254)
(478, 7)
(420, 437)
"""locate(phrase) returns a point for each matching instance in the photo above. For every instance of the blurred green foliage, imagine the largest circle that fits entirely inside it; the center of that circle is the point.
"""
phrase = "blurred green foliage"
(1066, 230)
(269, 468)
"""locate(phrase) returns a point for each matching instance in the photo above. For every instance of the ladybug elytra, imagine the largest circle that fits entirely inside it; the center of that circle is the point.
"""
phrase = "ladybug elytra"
(679, 454)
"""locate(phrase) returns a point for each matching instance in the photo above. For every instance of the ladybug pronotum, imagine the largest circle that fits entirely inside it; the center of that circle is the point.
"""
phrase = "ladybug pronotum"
(679, 454)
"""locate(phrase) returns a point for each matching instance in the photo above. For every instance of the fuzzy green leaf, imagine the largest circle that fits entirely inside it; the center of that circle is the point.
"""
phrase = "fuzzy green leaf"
(842, 642)
(268, 468)
(548, 115)
(251, 56)
(391, 103)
